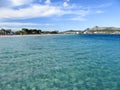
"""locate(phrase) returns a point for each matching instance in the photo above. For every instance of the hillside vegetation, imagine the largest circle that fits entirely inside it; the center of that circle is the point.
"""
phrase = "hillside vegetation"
(102, 30)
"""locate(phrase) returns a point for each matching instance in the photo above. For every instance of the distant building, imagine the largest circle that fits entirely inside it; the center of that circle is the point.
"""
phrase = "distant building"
(72, 32)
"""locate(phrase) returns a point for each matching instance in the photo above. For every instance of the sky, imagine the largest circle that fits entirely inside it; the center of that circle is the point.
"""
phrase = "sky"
(59, 15)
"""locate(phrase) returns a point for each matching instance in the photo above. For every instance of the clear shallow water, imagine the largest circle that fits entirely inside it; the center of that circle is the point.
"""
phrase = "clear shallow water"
(60, 62)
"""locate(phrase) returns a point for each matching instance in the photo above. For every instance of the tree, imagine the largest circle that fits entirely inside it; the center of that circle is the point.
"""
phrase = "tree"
(54, 32)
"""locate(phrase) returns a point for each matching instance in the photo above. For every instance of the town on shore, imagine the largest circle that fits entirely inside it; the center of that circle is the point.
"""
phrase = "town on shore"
(94, 30)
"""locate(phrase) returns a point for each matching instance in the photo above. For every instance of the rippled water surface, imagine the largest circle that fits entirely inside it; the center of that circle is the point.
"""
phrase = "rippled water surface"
(60, 62)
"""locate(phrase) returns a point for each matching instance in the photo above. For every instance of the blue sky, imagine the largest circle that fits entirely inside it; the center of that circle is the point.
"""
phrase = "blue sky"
(59, 14)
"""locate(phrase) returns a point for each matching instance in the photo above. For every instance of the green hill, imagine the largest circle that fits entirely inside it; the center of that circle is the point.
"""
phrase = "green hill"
(102, 30)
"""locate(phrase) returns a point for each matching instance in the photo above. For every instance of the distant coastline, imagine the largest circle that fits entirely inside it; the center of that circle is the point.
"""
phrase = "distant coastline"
(96, 30)
(38, 32)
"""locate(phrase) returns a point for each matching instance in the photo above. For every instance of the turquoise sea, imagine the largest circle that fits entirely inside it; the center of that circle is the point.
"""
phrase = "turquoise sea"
(60, 62)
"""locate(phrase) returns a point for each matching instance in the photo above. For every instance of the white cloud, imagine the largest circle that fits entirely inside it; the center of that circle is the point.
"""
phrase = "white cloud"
(18, 25)
(77, 18)
(13, 3)
(20, 2)
(78, 12)
(99, 12)
(40, 10)
(65, 4)
(30, 12)
(10, 24)
(82, 12)
(104, 5)
(37, 10)
(48, 2)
